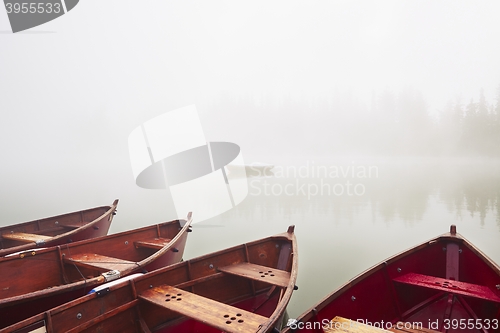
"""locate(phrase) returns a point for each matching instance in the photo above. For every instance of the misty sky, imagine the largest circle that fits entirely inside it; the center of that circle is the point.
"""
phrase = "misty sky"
(193, 50)
(73, 89)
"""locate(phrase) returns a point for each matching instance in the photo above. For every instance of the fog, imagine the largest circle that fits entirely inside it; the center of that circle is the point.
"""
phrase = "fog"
(284, 80)
(410, 89)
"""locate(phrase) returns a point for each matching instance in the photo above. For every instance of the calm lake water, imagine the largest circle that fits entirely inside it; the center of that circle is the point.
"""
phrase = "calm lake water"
(349, 221)
(349, 214)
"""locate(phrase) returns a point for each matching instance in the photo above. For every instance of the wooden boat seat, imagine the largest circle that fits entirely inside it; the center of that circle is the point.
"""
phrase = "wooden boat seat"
(92, 260)
(222, 316)
(269, 275)
(340, 324)
(451, 286)
(25, 237)
(154, 243)
(410, 330)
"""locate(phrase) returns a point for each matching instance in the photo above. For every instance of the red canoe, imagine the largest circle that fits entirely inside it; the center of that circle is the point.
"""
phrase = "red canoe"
(245, 288)
(445, 285)
(57, 230)
(36, 280)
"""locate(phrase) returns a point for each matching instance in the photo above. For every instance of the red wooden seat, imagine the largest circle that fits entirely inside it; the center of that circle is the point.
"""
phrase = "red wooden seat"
(451, 286)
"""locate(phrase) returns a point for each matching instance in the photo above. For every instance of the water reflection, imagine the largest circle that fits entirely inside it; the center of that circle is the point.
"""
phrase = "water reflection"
(472, 189)
(394, 192)
(348, 223)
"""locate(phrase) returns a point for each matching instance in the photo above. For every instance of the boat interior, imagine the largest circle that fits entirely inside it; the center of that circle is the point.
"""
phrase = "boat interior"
(43, 229)
(234, 290)
(82, 261)
(444, 285)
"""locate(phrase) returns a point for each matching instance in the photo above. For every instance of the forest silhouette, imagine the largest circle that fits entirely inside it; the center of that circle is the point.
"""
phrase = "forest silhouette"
(452, 154)
(394, 124)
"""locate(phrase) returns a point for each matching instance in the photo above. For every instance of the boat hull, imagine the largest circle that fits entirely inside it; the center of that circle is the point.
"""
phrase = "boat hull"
(212, 293)
(438, 285)
(54, 276)
(57, 230)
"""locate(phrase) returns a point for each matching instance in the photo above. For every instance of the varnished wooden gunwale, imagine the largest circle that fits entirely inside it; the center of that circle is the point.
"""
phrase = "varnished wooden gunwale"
(57, 230)
(200, 277)
(65, 276)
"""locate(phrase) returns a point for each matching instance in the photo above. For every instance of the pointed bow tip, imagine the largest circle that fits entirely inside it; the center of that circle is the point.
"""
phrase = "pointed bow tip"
(453, 229)
(291, 229)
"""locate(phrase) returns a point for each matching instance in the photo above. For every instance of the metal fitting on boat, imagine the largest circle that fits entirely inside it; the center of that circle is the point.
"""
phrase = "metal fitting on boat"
(291, 322)
(353, 298)
(498, 286)
(111, 275)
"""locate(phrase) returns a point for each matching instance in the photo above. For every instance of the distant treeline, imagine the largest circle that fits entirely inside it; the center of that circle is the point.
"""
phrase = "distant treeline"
(472, 128)
(467, 189)
(394, 124)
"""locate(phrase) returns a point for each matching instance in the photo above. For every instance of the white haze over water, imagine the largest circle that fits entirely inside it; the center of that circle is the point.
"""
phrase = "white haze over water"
(73, 89)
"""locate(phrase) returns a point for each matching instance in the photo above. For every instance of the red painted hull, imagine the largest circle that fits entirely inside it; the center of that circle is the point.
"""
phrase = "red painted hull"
(442, 284)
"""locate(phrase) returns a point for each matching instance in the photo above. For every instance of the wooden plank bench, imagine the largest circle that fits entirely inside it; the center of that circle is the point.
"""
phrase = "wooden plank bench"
(25, 237)
(340, 324)
(269, 275)
(402, 329)
(451, 286)
(93, 260)
(154, 243)
(219, 315)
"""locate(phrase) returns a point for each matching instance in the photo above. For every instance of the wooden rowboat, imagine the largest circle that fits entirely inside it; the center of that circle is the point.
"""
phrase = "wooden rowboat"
(241, 289)
(57, 230)
(443, 285)
(36, 280)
